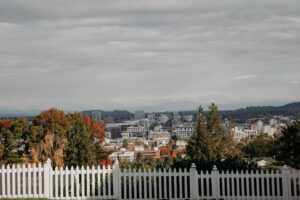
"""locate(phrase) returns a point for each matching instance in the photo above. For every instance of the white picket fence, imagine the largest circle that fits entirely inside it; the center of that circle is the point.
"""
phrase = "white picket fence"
(112, 183)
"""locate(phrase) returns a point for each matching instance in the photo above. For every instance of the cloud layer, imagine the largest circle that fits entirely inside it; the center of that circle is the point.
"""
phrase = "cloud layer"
(133, 53)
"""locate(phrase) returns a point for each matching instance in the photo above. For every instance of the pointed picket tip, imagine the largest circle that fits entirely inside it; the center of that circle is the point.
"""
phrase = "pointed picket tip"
(116, 163)
(13, 166)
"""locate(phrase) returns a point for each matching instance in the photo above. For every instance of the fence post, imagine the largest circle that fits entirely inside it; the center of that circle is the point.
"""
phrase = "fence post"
(215, 182)
(117, 180)
(47, 179)
(194, 182)
(285, 182)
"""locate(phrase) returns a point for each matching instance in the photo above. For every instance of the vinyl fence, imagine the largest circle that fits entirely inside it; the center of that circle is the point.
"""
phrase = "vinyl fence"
(111, 183)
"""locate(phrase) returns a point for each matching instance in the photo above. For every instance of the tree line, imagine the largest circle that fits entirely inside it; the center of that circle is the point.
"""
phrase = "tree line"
(73, 139)
(211, 144)
(68, 139)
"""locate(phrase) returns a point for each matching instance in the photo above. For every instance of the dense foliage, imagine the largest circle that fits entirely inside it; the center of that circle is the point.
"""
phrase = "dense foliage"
(68, 139)
(288, 146)
(210, 141)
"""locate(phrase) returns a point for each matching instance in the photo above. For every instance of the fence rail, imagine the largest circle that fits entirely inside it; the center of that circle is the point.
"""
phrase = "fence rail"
(20, 181)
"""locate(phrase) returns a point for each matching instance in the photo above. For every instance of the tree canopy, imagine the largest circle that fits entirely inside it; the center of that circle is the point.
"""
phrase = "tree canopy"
(68, 139)
(210, 141)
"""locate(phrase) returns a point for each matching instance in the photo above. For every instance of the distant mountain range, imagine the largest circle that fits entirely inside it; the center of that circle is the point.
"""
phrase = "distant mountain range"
(291, 109)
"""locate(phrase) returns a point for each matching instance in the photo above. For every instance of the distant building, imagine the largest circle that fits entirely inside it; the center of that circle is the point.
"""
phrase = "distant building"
(188, 118)
(145, 123)
(163, 118)
(240, 133)
(107, 134)
(115, 132)
(158, 128)
(138, 115)
(151, 117)
(96, 115)
(153, 153)
(263, 161)
(176, 116)
(184, 131)
(122, 155)
(134, 131)
(269, 130)
(161, 138)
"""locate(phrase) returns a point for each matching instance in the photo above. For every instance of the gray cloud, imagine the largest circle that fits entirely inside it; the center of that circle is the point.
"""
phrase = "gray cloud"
(128, 54)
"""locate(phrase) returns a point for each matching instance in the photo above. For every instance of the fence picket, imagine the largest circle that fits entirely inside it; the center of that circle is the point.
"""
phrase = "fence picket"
(61, 183)
(93, 181)
(155, 184)
(18, 181)
(13, 181)
(72, 182)
(8, 180)
(109, 182)
(24, 184)
(77, 182)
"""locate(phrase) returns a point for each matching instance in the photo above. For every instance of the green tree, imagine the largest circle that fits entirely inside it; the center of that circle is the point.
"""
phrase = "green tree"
(262, 146)
(289, 145)
(199, 144)
(210, 141)
(125, 143)
(80, 150)
(11, 140)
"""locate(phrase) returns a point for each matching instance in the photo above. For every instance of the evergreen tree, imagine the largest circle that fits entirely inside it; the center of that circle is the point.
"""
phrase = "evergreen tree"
(11, 140)
(222, 142)
(80, 149)
(289, 145)
(198, 145)
(210, 142)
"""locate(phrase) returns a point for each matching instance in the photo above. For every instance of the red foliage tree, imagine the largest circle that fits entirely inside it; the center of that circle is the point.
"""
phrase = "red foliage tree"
(5, 123)
(52, 116)
(165, 152)
(106, 162)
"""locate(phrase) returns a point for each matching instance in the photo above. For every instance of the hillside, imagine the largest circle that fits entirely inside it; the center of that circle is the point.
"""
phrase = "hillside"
(291, 109)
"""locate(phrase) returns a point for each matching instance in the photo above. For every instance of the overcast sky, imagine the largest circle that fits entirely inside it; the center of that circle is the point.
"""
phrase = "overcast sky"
(134, 54)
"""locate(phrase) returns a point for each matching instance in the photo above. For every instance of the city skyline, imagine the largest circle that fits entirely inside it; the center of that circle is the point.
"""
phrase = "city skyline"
(148, 55)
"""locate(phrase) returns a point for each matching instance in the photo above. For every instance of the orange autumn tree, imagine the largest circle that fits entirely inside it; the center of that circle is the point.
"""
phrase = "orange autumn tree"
(48, 136)
(98, 135)
(95, 127)
(68, 139)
